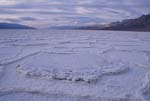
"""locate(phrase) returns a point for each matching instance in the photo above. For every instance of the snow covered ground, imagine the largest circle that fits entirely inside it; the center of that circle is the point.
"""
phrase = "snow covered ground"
(51, 65)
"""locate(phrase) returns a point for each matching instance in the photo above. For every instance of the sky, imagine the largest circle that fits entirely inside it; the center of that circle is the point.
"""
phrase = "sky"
(47, 13)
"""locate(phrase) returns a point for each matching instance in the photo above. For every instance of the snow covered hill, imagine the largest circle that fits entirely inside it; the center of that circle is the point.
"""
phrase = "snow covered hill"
(74, 65)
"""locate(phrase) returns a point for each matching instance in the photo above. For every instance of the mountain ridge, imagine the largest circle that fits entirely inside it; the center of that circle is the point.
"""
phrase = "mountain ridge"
(138, 24)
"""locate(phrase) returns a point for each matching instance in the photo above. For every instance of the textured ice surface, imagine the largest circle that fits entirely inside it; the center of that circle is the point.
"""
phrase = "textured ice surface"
(47, 65)
(1, 71)
(146, 87)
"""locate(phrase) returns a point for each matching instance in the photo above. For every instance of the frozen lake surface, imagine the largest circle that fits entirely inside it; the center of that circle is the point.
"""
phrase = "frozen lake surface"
(69, 65)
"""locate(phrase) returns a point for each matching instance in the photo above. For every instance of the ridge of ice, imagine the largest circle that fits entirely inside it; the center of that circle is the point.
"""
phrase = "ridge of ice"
(79, 75)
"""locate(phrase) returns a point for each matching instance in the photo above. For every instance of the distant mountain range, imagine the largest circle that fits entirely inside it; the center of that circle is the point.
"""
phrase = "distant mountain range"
(14, 26)
(63, 27)
(139, 24)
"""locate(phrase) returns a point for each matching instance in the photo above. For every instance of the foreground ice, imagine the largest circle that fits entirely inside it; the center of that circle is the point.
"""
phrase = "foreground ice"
(74, 65)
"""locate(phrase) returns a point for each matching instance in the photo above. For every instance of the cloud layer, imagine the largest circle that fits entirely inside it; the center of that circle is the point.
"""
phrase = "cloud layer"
(45, 13)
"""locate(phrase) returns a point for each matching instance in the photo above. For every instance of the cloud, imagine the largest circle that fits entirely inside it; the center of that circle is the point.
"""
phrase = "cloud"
(83, 10)
(7, 2)
(28, 18)
(10, 20)
(44, 13)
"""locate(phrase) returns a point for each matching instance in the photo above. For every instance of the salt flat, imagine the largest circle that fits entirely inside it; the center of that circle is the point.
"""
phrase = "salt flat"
(69, 65)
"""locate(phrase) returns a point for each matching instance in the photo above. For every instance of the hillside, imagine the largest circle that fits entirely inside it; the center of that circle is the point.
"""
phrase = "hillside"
(14, 26)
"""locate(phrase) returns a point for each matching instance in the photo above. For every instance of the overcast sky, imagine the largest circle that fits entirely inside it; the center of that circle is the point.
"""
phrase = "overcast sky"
(45, 13)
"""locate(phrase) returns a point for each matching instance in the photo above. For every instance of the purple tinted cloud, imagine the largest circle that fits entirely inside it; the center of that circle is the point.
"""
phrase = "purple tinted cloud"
(44, 13)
